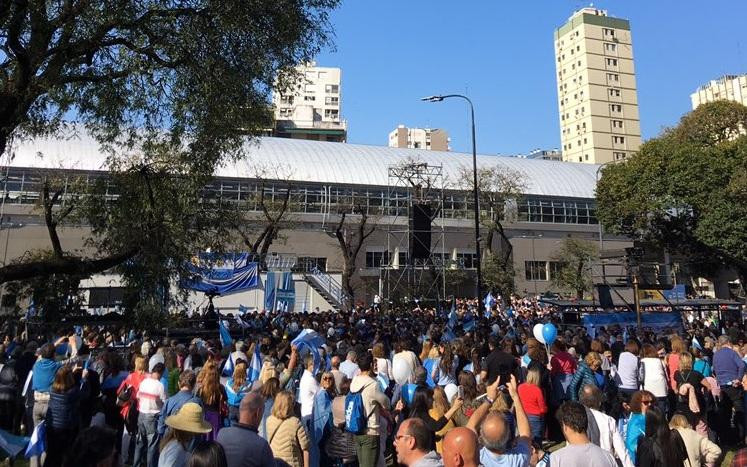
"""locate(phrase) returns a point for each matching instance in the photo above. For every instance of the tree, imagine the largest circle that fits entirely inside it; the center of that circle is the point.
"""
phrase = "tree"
(179, 84)
(685, 190)
(500, 189)
(197, 68)
(351, 236)
(574, 260)
(258, 234)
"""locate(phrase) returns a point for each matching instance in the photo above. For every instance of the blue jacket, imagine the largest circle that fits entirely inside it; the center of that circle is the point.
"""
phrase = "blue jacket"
(43, 374)
(172, 406)
(62, 412)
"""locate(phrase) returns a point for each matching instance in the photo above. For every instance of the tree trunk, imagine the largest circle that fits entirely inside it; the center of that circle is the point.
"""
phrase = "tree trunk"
(580, 281)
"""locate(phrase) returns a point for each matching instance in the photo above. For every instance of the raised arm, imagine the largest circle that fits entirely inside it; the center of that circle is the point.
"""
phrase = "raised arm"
(522, 422)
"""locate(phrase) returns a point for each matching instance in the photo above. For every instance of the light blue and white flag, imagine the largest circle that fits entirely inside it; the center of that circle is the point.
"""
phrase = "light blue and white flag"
(255, 367)
(453, 318)
(229, 366)
(309, 340)
(37, 444)
(696, 344)
(225, 336)
(12, 444)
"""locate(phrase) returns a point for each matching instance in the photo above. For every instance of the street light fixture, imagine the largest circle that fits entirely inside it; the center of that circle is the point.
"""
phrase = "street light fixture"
(439, 98)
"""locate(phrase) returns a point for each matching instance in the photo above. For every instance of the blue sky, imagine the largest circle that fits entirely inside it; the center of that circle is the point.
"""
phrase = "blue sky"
(500, 53)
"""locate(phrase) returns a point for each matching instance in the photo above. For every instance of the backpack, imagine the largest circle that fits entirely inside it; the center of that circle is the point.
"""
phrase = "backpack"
(356, 420)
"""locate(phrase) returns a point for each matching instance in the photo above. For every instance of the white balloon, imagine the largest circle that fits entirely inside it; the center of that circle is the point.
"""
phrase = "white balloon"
(401, 370)
(537, 331)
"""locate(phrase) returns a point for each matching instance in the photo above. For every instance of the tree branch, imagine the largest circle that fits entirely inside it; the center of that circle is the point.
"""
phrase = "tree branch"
(49, 218)
(64, 265)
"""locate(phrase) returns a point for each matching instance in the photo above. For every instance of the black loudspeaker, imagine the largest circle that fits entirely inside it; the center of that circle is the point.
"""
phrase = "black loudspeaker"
(420, 232)
(605, 298)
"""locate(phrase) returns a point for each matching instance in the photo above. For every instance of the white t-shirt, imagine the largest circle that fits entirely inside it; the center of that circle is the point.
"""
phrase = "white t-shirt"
(588, 455)
(308, 388)
(150, 396)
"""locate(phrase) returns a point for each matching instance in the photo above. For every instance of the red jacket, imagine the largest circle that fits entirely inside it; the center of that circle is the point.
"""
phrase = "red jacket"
(133, 379)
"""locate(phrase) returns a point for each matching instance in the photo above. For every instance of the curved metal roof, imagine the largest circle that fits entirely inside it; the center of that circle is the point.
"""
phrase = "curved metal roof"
(333, 163)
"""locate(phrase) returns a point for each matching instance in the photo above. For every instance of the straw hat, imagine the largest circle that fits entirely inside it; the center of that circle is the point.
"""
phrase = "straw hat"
(189, 418)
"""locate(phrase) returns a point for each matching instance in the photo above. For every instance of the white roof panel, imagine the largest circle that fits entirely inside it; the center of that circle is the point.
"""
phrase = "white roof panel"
(333, 163)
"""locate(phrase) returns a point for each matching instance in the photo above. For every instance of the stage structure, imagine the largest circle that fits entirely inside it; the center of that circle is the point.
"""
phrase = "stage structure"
(414, 264)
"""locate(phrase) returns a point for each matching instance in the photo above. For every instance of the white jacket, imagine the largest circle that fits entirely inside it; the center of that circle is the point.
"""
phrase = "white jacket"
(610, 439)
(700, 450)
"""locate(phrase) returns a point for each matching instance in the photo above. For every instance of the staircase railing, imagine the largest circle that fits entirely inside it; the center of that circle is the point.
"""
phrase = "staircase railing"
(328, 283)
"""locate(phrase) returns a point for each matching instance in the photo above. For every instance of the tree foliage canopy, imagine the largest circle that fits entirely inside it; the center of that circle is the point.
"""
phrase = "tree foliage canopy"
(574, 272)
(686, 190)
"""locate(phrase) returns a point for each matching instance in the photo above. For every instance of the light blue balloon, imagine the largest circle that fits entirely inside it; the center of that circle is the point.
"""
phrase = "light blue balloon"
(408, 392)
(550, 333)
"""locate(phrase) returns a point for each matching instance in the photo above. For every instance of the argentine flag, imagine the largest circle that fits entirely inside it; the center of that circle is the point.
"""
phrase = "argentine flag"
(37, 444)
(225, 336)
(255, 367)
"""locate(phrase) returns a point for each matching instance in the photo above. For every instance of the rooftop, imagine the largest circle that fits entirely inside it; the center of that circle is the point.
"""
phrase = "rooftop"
(323, 162)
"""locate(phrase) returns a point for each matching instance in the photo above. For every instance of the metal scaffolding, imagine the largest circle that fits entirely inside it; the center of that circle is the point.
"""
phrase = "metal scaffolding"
(402, 278)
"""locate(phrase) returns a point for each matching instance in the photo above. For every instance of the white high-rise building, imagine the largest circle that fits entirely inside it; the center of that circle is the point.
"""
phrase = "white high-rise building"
(729, 87)
(312, 108)
(597, 94)
(432, 139)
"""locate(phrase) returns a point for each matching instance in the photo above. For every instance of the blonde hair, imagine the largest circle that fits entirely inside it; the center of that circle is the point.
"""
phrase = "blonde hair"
(283, 406)
(426, 350)
(678, 345)
(679, 421)
(239, 376)
(686, 361)
(593, 358)
(268, 371)
(534, 376)
(140, 364)
(210, 389)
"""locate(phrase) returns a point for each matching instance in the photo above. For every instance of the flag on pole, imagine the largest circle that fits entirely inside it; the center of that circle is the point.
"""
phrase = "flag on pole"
(489, 303)
(468, 321)
(225, 336)
(453, 318)
(696, 344)
(37, 444)
(310, 341)
(255, 367)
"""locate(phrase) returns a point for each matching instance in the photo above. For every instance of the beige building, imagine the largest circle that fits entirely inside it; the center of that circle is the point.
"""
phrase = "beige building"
(432, 139)
(597, 95)
(312, 108)
(729, 87)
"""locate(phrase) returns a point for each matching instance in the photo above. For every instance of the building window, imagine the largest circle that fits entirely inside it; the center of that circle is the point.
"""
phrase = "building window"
(332, 114)
(535, 270)
(608, 32)
(618, 155)
(614, 92)
(332, 89)
(309, 98)
(309, 88)
(612, 62)
(610, 47)
(613, 77)
(618, 139)
(586, 157)
(286, 100)
(556, 267)
(377, 259)
(467, 260)
(616, 107)
(617, 123)
(286, 113)
(331, 100)
(309, 263)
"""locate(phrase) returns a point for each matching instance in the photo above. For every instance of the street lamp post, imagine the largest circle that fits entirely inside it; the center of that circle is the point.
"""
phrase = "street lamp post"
(478, 258)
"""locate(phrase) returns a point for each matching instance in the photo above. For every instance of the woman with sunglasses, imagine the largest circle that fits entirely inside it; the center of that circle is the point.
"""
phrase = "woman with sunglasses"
(640, 402)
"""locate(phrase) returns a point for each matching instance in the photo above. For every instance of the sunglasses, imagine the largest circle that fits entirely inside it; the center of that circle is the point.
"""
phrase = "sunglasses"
(647, 402)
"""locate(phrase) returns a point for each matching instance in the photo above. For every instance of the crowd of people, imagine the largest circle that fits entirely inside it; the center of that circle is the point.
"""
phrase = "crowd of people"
(453, 385)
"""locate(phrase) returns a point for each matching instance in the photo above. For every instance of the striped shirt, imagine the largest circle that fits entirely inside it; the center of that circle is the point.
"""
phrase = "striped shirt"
(150, 396)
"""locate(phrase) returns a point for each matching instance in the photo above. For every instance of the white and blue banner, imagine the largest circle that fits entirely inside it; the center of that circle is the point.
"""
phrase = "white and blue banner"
(286, 295)
(270, 291)
(222, 274)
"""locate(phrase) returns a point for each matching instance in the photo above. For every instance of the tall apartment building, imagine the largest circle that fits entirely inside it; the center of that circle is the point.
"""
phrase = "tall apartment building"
(543, 154)
(432, 139)
(729, 87)
(312, 108)
(597, 96)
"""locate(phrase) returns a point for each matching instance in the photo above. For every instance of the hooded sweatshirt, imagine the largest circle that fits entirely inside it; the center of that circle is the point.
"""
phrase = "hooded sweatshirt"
(373, 398)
